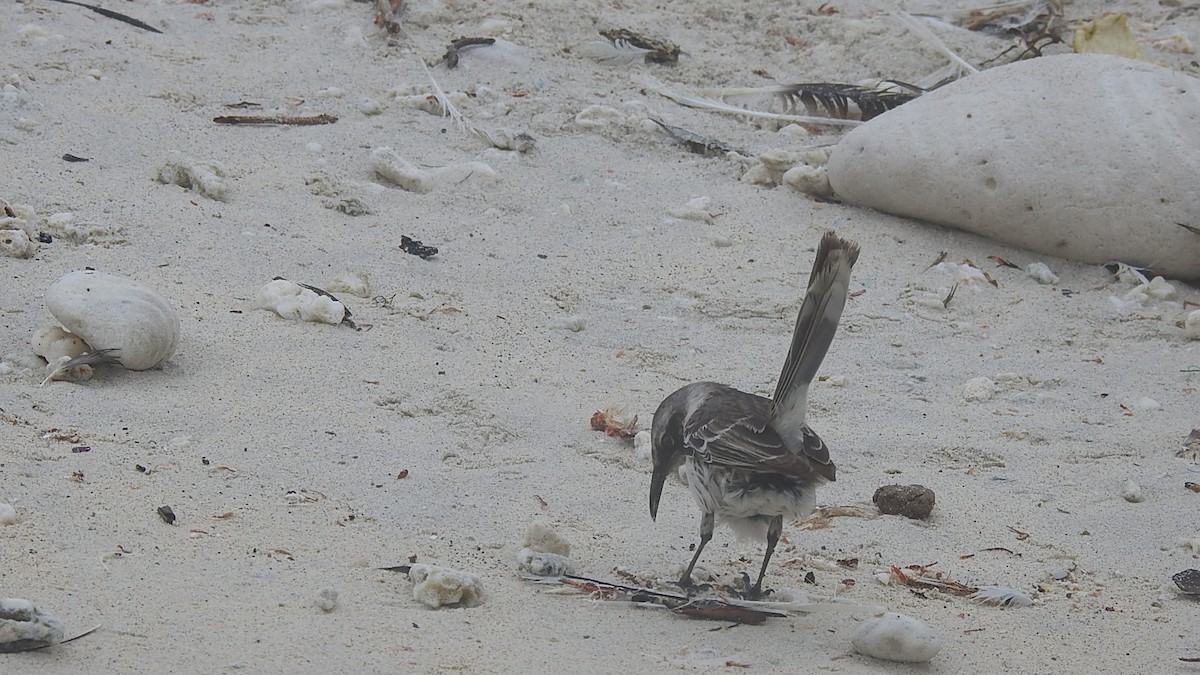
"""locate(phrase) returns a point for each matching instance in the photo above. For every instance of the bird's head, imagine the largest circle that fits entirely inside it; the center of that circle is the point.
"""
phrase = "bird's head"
(666, 444)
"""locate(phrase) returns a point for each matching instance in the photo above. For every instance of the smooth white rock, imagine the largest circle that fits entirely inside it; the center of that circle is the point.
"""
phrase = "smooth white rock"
(113, 312)
(23, 627)
(1082, 156)
(897, 637)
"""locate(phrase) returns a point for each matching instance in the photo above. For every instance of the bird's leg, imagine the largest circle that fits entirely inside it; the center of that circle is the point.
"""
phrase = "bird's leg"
(774, 530)
(706, 531)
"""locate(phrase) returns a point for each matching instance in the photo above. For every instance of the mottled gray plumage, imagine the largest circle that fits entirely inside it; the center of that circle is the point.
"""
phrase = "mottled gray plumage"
(751, 461)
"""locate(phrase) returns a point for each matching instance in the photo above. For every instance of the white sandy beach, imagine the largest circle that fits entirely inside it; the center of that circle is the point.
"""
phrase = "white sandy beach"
(562, 286)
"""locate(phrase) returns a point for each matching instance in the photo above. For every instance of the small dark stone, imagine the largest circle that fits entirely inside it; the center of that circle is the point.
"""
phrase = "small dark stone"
(166, 514)
(1188, 581)
(911, 501)
(45, 238)
(414, 247)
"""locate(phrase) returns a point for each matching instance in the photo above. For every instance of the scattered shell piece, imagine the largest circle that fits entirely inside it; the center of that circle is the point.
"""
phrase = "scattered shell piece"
(540, 536)
(507, 139)
(1001, 596)
(1132, 492)
(911, 501)
(811, 180)
(54, 344)
(1041, 273)
(543, 564)
(435, 586)
(641, 444)
(65, 226)
(327, 600)
(1107, 35)
(290, 300)
(368, 106)
(598, 117)
(697, 209)
(1188, 581)
(1146, 292)
(574, 324)
(897, 637)
(979, 389)
(116, 316)
(16, 244)
(354, 283)
(1191, 325)
(395, 169)
(203, 177)
(24, 627)
(1191, 447)
(1145, 403)
(8, 515)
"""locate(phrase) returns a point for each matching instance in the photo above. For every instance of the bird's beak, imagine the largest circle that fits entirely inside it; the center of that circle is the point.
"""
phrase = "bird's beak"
(656, 485)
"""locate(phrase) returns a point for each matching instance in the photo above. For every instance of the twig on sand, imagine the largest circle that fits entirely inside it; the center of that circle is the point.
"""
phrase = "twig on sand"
(298, 120)
(113, 15)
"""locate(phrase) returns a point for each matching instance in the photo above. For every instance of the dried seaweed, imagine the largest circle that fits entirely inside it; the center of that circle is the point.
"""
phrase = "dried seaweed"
(456, 48)
(296, 120)
(698, 144)
(656, 50)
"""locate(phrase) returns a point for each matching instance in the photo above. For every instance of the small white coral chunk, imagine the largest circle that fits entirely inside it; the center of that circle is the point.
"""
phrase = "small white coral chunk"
(399, 171)
(24, 627)
(203, 177)
(896, 637)
(290, 300)
(979, 389)
(541, 537)
(435, 586)
(354, 283)
(327, 600)
(543, 564)
(16, 244)
(1041, 273)
(1191, 325)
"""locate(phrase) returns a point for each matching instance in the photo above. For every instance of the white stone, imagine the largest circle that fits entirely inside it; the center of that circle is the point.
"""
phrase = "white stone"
(24, 627)
(290, 300)
(327, 600)
(1087, 157)
(16, 244)
(113, 312)
(1191, 325)
(1132, 492)
(1041, 273)
(896, 637)
(979, 389)
(435, 586)
(399, 171)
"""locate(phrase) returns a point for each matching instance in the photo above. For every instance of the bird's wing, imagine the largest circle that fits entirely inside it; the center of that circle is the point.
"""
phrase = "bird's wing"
(730, 429)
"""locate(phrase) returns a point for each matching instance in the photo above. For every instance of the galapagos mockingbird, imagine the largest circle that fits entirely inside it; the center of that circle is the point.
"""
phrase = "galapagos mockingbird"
(751, 461)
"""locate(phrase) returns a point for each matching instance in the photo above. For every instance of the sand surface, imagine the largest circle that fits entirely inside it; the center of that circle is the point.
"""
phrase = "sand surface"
(472, 374)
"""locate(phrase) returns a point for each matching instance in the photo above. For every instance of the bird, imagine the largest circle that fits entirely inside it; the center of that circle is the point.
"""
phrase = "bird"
(751, 461)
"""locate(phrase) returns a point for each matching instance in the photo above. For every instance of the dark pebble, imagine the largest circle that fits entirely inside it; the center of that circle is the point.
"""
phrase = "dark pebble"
(911, 501)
